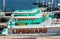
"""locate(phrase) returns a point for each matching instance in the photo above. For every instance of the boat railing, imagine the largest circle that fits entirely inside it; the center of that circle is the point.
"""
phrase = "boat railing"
(36, 16)
(56, 11)
(56, 21)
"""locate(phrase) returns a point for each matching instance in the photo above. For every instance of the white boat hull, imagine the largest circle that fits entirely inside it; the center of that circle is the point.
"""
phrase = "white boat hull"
(50, 31)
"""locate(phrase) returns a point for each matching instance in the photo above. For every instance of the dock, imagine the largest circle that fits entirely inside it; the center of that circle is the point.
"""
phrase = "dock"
(29, 37)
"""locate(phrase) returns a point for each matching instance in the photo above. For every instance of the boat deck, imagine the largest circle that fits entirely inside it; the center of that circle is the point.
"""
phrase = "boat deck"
(45, 24)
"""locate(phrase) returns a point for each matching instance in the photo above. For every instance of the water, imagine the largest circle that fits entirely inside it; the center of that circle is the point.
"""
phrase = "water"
(12, 5)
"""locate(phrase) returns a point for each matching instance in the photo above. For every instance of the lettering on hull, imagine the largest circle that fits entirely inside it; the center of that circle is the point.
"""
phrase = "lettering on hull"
(29, 31)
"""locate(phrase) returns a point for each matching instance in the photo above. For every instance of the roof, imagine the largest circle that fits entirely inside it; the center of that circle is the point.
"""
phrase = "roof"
(26, 11)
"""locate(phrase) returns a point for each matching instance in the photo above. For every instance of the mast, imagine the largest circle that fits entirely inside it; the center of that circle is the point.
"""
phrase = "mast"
(57, 3)
(52, 3)
(4, 6)
(43, 3)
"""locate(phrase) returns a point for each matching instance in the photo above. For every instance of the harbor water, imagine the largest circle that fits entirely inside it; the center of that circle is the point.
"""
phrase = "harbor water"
(12, 5)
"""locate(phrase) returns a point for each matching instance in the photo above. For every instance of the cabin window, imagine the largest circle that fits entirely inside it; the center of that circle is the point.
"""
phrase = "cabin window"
(57, 15)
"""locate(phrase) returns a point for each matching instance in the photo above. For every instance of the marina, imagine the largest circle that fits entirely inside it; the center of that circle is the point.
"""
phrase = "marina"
(44, 19)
